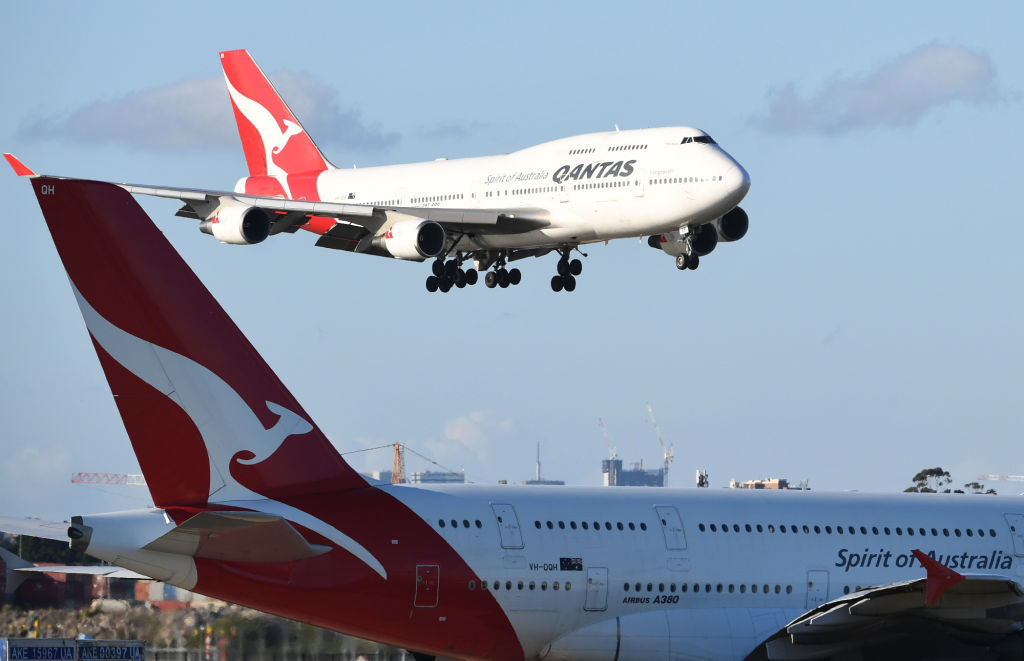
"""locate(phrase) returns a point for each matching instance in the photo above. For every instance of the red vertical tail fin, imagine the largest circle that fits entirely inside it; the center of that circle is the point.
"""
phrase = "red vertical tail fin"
(207, 417)
(275, 143)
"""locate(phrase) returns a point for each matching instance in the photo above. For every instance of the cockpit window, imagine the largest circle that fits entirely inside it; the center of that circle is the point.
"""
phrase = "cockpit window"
(704, 139)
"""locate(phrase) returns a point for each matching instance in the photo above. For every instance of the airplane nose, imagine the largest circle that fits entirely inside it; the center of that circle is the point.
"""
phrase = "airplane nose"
(737, 180)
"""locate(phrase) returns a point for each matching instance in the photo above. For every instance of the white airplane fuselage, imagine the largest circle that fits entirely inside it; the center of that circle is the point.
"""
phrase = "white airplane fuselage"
(593, 187)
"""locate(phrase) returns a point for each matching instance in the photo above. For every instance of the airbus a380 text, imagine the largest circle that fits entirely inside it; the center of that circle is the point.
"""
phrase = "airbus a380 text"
(253, 504)
(674, 185)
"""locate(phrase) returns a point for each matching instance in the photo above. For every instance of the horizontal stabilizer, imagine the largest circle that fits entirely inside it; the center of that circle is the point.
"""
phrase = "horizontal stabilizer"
(107, 571)
(35, 528)
(237, 537)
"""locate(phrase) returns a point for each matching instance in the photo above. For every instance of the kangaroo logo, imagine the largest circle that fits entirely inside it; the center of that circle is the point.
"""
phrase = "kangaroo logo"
(273, 138)
(231, 430)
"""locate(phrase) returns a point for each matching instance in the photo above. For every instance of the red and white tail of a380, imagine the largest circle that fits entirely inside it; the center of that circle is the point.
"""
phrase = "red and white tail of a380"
(252, 504)
(472, 216)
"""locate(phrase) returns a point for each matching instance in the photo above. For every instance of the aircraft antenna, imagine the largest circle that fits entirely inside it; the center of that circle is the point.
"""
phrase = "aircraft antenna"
(667, 452)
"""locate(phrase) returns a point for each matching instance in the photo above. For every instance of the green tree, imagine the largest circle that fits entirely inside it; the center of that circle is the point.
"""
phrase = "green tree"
(931, 480)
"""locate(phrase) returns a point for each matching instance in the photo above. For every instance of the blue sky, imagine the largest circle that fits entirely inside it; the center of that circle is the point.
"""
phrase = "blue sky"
(867, 326)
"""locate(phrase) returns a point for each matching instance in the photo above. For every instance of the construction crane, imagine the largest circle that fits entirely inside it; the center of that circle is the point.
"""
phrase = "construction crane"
(132, 479)
(1000, 478)
(612, 454)
(668, 452)
(398, 468)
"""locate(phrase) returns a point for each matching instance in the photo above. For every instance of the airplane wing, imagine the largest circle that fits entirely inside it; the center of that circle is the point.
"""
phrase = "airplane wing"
(353, 221)
(946, 608)
(342, 226)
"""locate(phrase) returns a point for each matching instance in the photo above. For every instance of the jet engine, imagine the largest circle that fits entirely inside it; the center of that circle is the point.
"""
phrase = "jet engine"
(703, 240)
(733, 225)
(413, 239)
(238, 224)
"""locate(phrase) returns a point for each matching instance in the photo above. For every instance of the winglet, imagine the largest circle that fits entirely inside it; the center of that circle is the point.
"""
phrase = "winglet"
(940, 577)
(20, 168)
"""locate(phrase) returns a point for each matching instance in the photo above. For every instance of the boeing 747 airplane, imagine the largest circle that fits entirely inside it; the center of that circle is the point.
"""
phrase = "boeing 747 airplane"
(253, 504)
(674, 185)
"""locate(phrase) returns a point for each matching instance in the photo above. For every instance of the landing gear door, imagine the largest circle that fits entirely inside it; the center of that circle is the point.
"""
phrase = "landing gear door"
(672, 527)
(508, 526)
(597, 589)
(1016, 523)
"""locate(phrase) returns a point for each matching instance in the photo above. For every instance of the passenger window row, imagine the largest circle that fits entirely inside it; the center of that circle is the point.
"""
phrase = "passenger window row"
(588, 150)
(455, 524)
(683, 180)
(509, 586)
(585, 525)
(842, 530)
(626, 147)
(718, 587)
(437, 198)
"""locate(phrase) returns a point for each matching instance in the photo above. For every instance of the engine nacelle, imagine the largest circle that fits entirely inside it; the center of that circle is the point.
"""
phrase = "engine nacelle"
(413, 239)
(733, 225)
(238, 224)
(703, 240)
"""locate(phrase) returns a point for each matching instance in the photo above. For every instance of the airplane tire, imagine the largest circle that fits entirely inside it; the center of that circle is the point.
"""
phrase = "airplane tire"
(694, 262)
(556, 283)
(451, 267)
(471, 276)
(570, 283)
(515, 276)
(575, 267)
(563, 267)
(503, 279)
(432, 283)
(491, 279)
(445, 284)
(437, 267)
(681, 262)
(460, 278)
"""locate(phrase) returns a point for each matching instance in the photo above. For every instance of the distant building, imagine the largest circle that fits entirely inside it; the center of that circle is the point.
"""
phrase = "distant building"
(769, 483)
(426, 477)
(436, 477)
(636, 476)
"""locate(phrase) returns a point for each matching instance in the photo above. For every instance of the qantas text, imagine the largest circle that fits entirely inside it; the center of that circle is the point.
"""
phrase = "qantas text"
(593, 171)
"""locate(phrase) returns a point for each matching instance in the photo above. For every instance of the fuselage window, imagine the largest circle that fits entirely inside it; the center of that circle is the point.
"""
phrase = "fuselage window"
(455, 524)
(910, 531)
(625, 587)
(661, 587)
(478, 524)
(935, 533)
(536, 524)
(554, 586)
(747, 527)
(440, 522)
(465, 523)
(771, 527)
(714, 528)
(991, 532)
(572, 524)
(619, 525)
(970, 533)
(899, 531)
(643, 526)
(650, 587)
(725, 526)
(874, 530)
(561, 525)
(956, 531)
(550, 525)
(759, 528)
(886, 530)
(817, 530)
(508, 585)
(735, 527)
(632, 526)
(782, 528)
(607, 525)
(532, 585)
(863, 530)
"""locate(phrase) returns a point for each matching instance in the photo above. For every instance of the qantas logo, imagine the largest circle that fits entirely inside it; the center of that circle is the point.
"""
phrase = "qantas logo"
(593, 171)
(236, 435)
(273, 138)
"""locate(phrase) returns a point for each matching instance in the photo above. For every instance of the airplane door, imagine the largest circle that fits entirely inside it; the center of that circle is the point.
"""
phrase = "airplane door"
(563, 193)
(508, 526)
(427, 582)
(817, 588)
(640, 183)
(672, 527)
(1016, 523)
(597, 589)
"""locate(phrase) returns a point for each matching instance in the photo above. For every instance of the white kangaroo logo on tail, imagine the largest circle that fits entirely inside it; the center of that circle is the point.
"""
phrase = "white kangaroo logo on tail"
(274, 140)
(227, 424)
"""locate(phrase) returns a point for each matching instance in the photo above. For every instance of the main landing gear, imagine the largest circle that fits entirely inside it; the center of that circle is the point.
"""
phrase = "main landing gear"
(567, 272)
(502, 277)
(448, 274)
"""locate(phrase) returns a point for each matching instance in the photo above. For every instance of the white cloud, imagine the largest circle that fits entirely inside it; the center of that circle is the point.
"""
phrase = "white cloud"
(196, 114)
(898, 92)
